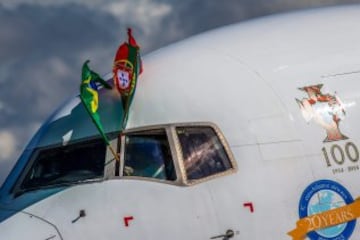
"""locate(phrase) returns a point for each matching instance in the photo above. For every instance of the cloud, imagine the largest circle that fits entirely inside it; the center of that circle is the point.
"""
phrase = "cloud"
(192, 16)
(41, 60)
(7, 144)
(141, 13)
(8, 152)
(43, 48)
(91, 3)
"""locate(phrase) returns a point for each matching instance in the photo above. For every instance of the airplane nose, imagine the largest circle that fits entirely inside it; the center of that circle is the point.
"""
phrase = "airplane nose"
(32, 227)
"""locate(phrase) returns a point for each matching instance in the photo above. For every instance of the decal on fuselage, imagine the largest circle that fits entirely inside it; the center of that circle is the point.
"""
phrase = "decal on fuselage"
(341, 157)
(327, 211)
(249, 205)
(324, 109)
(127, 220)
(328, 111)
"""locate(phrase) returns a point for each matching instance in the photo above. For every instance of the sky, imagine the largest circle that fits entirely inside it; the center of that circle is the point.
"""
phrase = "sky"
(44, 44)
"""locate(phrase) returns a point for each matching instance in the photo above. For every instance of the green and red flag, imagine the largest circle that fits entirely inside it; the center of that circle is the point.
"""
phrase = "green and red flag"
(126, 69)
(89, 96)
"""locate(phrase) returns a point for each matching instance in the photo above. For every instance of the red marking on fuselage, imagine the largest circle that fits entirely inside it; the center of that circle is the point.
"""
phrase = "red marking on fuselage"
(127, 220)
(249, 205)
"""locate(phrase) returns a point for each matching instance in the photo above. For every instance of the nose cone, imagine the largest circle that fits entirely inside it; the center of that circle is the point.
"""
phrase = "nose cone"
(32, 227)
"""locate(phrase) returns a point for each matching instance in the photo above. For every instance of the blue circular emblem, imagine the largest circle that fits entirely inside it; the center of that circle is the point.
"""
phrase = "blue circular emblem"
(321, 196)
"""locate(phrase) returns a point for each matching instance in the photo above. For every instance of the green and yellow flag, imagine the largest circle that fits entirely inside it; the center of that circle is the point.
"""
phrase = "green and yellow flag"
(89, 96)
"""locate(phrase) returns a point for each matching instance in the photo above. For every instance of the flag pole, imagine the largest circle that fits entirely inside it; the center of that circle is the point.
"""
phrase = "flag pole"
(126, 112)
(116, 156)
(89, 98)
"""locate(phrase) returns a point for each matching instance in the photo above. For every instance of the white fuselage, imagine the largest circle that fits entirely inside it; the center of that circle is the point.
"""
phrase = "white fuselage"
(283, 90)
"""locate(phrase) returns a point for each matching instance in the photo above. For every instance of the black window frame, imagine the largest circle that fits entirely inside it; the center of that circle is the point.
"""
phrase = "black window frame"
(18, 189)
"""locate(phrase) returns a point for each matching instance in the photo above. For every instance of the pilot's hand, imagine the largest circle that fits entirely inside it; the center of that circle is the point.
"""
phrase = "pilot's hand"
(128, 171)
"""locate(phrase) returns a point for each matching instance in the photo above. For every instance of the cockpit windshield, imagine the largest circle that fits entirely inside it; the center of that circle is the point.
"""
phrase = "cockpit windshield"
(71, 122)
(66, 164)
(64, 150)
(181, 153)
(147, 154)
(174, 153)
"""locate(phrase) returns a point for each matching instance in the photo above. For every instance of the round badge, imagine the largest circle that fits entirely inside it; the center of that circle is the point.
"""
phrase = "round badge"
(325, 195)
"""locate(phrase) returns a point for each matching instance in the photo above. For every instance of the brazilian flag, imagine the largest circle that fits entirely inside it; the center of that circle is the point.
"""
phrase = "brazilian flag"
(89, 96)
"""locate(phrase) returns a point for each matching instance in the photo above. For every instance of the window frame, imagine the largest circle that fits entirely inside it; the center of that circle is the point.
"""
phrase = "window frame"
(118, 143)
(167, 131)
(222, 140)
(18, 190)
(177, 154)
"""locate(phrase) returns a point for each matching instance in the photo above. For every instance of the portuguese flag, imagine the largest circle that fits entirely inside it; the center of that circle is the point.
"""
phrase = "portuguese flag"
(126, 69)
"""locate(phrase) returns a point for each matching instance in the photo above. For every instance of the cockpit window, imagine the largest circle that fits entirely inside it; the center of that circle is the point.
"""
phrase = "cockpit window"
(147, 154)
(181, 154)
(65, 164)
(203, 152)
(184, 153)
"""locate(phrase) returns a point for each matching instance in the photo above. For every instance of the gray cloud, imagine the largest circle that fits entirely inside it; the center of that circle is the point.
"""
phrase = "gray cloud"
(43, 48)
(42, 55)
(193, 16)
(7, 150)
